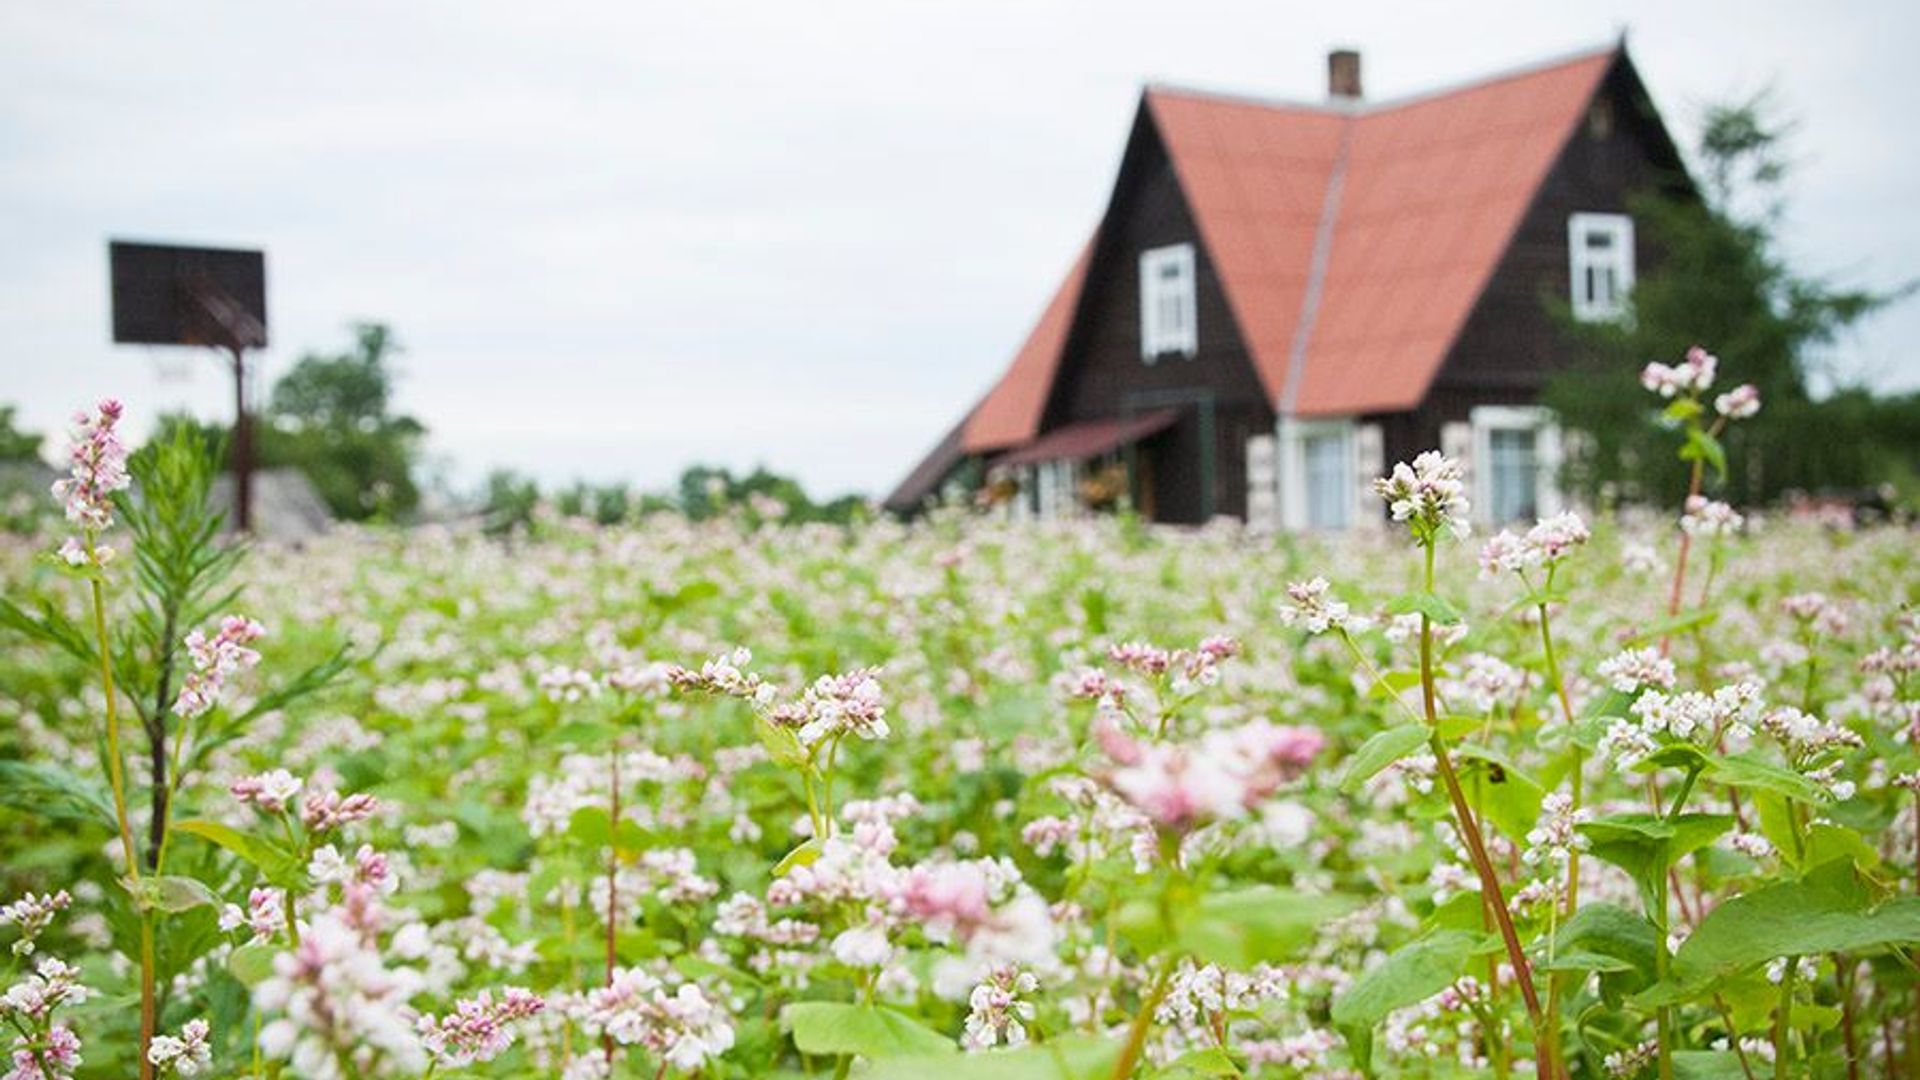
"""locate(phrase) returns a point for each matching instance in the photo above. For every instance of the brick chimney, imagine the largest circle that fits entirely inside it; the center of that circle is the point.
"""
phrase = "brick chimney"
(1343, 75)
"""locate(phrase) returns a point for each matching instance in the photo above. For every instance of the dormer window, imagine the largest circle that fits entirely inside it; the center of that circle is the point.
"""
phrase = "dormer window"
(1168, 323)
(1600, 250)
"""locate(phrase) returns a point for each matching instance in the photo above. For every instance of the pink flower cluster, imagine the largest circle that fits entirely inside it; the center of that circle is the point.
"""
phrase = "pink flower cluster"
(269, 792)
(479, 1028)
(1547, 544)
(1691, 376)
(836, 705)
(684, 1027)
(97, 468)
(215, 660)
(1227, 773)
(32, 914)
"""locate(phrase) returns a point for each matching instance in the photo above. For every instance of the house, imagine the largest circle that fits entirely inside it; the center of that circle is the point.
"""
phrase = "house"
(1281, 299)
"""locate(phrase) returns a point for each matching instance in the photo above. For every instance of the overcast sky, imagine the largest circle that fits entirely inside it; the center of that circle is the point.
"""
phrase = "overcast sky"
(616, 239)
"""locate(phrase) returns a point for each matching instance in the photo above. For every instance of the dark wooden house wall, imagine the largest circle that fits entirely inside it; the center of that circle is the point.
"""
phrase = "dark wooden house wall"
(1511, 343)
(1103, 374)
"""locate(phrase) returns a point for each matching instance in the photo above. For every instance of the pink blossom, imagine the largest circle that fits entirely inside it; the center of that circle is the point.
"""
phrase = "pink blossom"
(98, 461)
(479, 1028)
(270, 792)
(214, 660)
(328, 810)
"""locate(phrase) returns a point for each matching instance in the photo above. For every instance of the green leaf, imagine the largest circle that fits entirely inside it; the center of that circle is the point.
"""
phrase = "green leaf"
(1708, 1065)
(874, 1031)
(1646, 845)
(1827, 911)
(1206, 1061)
(783, 746)
(1497, 787)
(173, 894)
(592, 826)
(1680, 410)
(54, 793)
(252, 964)
(1380, 751)
(1237, 930)
(1701, 446)
(806, 854)
(1073, 1057)
(1612, 942)
(1754, 774)
(1413, 972)
(272, 859)
(1432, 605)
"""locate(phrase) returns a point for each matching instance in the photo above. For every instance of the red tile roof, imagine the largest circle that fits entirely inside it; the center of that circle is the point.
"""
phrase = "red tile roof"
(1091, 438)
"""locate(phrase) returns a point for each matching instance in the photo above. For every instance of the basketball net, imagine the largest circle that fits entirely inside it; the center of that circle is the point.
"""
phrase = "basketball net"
(173, 367)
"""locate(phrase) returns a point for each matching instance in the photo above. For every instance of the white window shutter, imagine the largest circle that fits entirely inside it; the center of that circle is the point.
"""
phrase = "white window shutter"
(1263, 483)
(1551, 450)
(1370, 461)
(1457, 442)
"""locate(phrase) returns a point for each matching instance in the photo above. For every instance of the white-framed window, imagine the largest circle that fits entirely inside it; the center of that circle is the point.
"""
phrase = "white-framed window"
(1600, 256)
(1329, 468)
(1515, 463)
(1319, 485)
(1168, 321)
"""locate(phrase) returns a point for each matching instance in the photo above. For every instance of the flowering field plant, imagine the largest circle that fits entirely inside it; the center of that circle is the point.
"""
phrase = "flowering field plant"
(961, 799)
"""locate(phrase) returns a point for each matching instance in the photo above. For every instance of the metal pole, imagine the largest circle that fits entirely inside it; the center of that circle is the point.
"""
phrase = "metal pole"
(242, 447)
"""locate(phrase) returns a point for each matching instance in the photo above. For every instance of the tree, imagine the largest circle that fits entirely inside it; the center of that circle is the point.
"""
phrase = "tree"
(1722, 281)
(331, 418)
(17, 446)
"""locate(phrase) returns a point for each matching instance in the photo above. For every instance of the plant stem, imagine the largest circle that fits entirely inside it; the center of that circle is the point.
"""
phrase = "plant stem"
(116, 776)
(1843, 979)
(1143, 1022)
(1783, 1021)
(1572, 902)
(1680, 564)
(613, 866)
(1476, 847)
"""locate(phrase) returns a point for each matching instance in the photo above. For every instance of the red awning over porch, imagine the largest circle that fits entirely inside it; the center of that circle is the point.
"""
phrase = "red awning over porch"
(1089, 439)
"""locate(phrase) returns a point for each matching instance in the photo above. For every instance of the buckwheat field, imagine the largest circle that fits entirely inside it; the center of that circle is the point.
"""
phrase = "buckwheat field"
(958, 798)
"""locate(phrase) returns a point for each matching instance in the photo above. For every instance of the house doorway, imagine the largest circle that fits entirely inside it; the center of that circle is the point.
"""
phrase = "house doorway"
(1175, 471)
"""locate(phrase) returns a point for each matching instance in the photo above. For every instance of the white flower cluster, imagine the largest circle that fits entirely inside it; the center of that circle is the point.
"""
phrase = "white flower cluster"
(1430, 494)
(1691, 376)
(1636, 668)
(1546, 544)
(187, 1054)
(1807, 740)
(1693, 717)
(32, 914)
(836, 705)
(1551, 842)
(1311, 605)
(1710, 518)
(680, 1025)
(996, 1011)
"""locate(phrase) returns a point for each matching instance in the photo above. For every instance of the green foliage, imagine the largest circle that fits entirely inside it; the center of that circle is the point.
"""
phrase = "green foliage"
(331, 417)
(874, 1031)
(17, 446)
(1723, 280)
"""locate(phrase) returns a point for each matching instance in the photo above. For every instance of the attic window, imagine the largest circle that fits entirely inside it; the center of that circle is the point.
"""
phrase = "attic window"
(1600, 118)
(1600, 250)
(1168, 323)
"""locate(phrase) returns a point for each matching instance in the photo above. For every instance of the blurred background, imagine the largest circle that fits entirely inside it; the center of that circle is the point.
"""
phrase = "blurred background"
(605, 243)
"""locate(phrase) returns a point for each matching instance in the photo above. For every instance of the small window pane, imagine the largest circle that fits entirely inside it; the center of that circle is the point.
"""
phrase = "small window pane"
(1327, 481)
(1513, 475)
